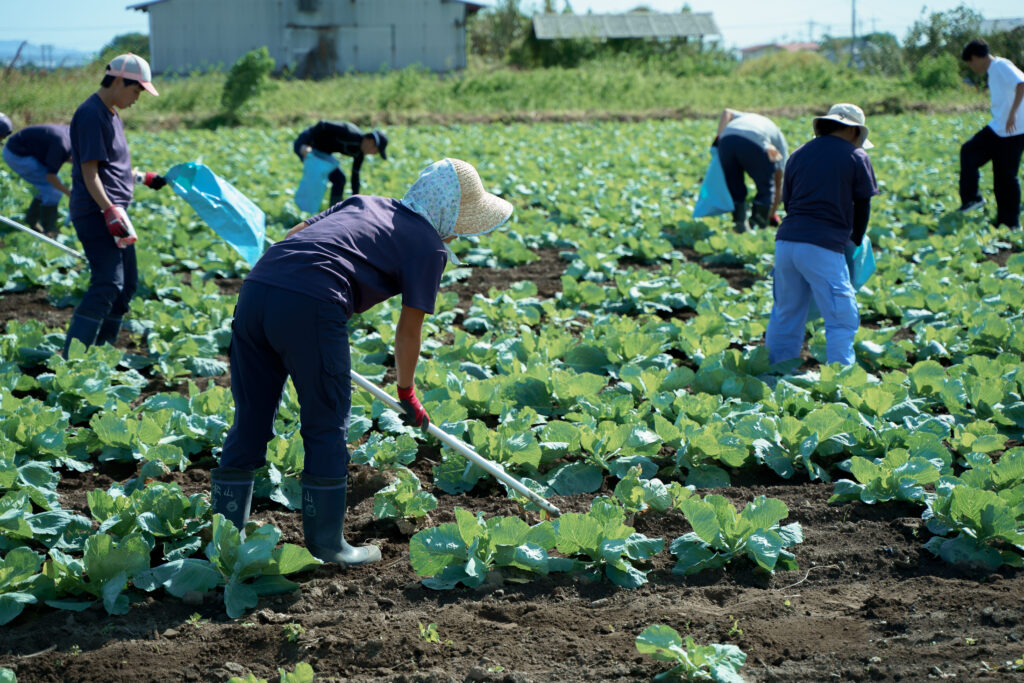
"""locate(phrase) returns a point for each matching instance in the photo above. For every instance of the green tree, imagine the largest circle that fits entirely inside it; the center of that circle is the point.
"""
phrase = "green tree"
(940, 33)
(247, 78)
(136, 43)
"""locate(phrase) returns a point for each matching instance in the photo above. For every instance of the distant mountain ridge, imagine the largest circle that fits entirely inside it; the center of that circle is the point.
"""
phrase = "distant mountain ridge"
(51, 56)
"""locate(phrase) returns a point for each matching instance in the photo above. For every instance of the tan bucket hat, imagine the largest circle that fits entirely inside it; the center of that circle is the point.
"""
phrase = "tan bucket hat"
(479, 210)
(848, 115)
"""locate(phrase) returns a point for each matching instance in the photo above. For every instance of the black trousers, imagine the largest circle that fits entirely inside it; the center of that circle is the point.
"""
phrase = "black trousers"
(1005, 154)
(740, 155)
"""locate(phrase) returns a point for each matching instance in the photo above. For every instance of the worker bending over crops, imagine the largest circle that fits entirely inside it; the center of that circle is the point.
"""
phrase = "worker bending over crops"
(827, 191)
(291, 320)
(751, 144)
(344, 138)
(1001, 141)
(102, 187)
(36, 153)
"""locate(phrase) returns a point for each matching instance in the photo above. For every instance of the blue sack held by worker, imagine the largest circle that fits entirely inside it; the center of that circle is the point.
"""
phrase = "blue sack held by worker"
(714, 197)
(860, 261)
(310, 193)
(227, 211)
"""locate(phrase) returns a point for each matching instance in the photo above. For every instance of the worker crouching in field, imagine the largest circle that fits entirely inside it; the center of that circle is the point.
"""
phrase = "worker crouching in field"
(827, 191)
(291, 320)
(102, 187)
(36, 153)
(751, 144)
(343, 138)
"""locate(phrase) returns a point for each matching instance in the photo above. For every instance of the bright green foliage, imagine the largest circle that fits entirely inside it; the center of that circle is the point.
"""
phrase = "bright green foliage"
(637, 495)
(89, 380)
(158, 511)
(247, 569)
(464, 551)
(403, 498)
(32, 427)
(386, 452)
(246, 79)
(897, 476)
(987, 525)
(715, 662)
(303, 673)
(720, 534)
(605, 545)
(21, 582)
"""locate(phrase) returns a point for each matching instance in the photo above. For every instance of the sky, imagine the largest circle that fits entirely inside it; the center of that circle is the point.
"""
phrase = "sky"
(90, 24)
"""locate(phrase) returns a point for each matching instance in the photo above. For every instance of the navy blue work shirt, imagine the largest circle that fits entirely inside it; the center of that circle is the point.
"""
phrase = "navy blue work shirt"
(822, 179)
(358, 253)
(98, 135)
(49, 144)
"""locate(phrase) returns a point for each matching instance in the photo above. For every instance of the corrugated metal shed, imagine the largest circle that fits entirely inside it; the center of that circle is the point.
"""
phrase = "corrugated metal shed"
(633, 25)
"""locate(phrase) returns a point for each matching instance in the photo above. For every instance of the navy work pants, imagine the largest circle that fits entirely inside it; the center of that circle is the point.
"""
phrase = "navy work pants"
(276, 334)
(113, 279)
(738, 155)
(1005, 154)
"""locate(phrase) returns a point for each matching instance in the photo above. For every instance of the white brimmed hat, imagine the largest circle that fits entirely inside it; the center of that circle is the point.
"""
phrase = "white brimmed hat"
(479, 210)
(848, 115)
(132, 67)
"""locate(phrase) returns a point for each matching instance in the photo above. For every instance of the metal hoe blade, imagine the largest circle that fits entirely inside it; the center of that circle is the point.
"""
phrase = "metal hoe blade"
(460, 447)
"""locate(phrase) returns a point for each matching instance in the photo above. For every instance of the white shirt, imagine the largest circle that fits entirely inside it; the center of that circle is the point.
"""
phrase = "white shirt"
(1003, 78)
(761, 130)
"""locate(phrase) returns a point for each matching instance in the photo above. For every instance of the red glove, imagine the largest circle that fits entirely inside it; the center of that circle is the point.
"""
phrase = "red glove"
(119, 226)
(150, 179)
(775, 221)
(412, 411)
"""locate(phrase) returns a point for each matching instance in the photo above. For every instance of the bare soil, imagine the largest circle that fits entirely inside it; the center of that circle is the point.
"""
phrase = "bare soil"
(868, 602)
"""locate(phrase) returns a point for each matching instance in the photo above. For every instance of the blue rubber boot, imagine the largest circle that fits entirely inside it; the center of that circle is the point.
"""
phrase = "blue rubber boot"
(83, 329)
(231, 493)
(109, 330)
(323, 521)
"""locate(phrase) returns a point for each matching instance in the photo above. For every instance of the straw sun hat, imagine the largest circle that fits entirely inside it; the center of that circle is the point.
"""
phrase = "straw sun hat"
(479, 210)
(848, 115)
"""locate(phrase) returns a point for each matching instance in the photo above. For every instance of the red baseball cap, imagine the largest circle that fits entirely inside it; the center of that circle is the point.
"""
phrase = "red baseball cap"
(133, 67)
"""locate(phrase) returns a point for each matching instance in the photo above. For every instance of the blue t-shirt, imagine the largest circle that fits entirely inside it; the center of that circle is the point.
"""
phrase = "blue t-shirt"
(49, 144)
(822, 179)
(98, 135)
(357, 254)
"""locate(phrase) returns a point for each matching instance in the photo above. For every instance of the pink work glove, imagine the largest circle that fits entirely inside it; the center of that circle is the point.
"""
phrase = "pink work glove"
(412, 411)
(120, 226)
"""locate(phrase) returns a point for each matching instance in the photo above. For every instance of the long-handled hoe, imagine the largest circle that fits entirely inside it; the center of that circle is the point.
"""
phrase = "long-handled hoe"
(456, 444)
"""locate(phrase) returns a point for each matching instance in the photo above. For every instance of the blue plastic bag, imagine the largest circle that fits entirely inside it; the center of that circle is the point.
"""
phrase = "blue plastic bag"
(227, 211)
(714, 197)
(860, 261)
(315, 169)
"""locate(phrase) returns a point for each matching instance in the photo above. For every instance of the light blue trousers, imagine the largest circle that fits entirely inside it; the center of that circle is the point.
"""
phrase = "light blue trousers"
(803, 271)
(34, 172)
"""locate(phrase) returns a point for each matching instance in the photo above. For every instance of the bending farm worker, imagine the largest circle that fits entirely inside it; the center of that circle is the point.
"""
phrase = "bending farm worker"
(291, 320)
(344, 138)
(827, 191)
(36, 153)
(102, 187)
(1001, 141)
(752, 144)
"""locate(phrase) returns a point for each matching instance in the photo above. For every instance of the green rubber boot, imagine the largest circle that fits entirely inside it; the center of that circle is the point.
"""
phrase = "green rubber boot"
(323, 522)
(231, 494)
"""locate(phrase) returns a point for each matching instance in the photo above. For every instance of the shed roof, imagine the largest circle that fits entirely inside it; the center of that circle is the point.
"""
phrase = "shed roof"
(633, 25)
(471, 5)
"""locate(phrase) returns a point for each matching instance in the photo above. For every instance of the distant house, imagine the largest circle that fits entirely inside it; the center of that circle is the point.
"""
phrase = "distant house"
(631, 25)
(316, 37)
(755, 51)
(990, 26)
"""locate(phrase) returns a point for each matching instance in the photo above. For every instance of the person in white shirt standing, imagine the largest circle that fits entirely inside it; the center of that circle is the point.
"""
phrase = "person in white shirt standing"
(1001, 141)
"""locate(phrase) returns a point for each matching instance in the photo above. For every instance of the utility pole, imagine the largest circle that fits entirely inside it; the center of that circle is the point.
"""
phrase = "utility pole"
(853, 32)
(810, 30)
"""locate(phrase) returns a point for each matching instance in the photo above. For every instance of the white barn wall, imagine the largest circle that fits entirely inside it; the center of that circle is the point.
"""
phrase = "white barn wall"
(367, 35)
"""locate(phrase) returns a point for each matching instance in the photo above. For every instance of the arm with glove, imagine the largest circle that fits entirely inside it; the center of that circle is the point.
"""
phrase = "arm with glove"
(151, 180)
(408, 336)
(116, 218)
